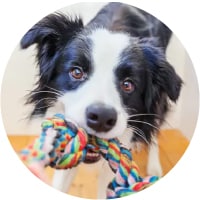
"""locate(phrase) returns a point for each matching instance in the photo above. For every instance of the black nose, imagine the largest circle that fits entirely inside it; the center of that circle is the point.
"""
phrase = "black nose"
(101, 117)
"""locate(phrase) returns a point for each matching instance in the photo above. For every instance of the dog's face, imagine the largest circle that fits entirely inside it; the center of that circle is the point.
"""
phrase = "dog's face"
(107, 81)
(93, 96)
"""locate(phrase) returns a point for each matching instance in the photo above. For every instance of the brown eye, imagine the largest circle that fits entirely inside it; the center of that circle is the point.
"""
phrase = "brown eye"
(127, 86)
(77, 73)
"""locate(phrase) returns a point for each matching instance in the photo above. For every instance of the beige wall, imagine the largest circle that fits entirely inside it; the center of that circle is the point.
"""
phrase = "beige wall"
(21, 71)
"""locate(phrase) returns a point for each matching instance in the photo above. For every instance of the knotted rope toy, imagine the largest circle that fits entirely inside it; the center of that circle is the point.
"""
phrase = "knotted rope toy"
(63, 145)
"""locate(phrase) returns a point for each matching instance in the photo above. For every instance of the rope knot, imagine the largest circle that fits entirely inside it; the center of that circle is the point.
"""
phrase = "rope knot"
(63, 145)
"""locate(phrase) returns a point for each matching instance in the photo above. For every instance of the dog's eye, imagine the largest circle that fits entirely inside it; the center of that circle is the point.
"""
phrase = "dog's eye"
(77, 73)
(127, 85)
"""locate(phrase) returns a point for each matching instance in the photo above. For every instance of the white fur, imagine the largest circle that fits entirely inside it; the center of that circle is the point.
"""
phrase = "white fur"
(100, 87)
(154, 167)
(62, 179)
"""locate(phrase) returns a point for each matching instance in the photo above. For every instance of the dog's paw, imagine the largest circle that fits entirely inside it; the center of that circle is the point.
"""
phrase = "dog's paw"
(154, 169)
(137, 147)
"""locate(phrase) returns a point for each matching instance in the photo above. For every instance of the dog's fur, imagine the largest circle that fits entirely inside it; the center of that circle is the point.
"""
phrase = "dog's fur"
(120, 57)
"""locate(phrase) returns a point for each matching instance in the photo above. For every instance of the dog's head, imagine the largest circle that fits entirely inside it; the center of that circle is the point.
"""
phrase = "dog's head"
(107, 81)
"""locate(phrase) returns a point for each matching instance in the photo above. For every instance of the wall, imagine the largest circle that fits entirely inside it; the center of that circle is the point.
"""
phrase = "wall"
(21, 71)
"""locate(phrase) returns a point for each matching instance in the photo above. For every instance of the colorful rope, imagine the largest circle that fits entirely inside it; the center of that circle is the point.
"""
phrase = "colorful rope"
(127, 180)
(62, 145)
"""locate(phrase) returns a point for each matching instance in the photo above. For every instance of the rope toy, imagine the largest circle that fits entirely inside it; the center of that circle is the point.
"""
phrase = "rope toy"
(63, 145)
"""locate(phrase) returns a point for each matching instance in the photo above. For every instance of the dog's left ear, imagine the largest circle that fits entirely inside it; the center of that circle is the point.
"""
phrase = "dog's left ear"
(53, 29)
(51, 35)
(163, 77)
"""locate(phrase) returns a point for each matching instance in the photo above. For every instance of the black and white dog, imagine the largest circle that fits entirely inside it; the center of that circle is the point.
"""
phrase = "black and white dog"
(111, 75)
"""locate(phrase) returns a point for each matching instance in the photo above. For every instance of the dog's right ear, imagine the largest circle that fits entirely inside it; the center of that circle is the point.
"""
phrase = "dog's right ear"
(51, 34)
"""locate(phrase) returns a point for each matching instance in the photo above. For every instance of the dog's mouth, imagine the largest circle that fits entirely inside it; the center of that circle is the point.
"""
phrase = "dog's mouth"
(92, 157)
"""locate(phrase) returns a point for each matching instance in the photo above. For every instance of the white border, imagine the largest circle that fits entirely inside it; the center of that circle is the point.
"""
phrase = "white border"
(17, 17)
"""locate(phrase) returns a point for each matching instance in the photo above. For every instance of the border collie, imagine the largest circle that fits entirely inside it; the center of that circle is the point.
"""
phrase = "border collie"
(111, 76)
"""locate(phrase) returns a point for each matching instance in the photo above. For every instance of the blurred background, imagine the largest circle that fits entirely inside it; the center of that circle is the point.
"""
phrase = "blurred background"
(21, 71)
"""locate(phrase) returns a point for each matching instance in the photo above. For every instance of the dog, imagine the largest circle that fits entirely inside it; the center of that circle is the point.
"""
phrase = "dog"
(111, 76)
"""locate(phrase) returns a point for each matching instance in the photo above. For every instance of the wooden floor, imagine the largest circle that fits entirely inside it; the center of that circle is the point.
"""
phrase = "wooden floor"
(172, 145)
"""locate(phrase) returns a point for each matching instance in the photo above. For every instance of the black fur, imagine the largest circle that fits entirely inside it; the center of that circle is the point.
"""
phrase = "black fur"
(138, 23)
(155, 83)
(60, 44)
(51, 35)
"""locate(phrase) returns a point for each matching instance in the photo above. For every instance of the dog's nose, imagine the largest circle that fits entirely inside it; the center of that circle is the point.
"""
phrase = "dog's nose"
(101, 117)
